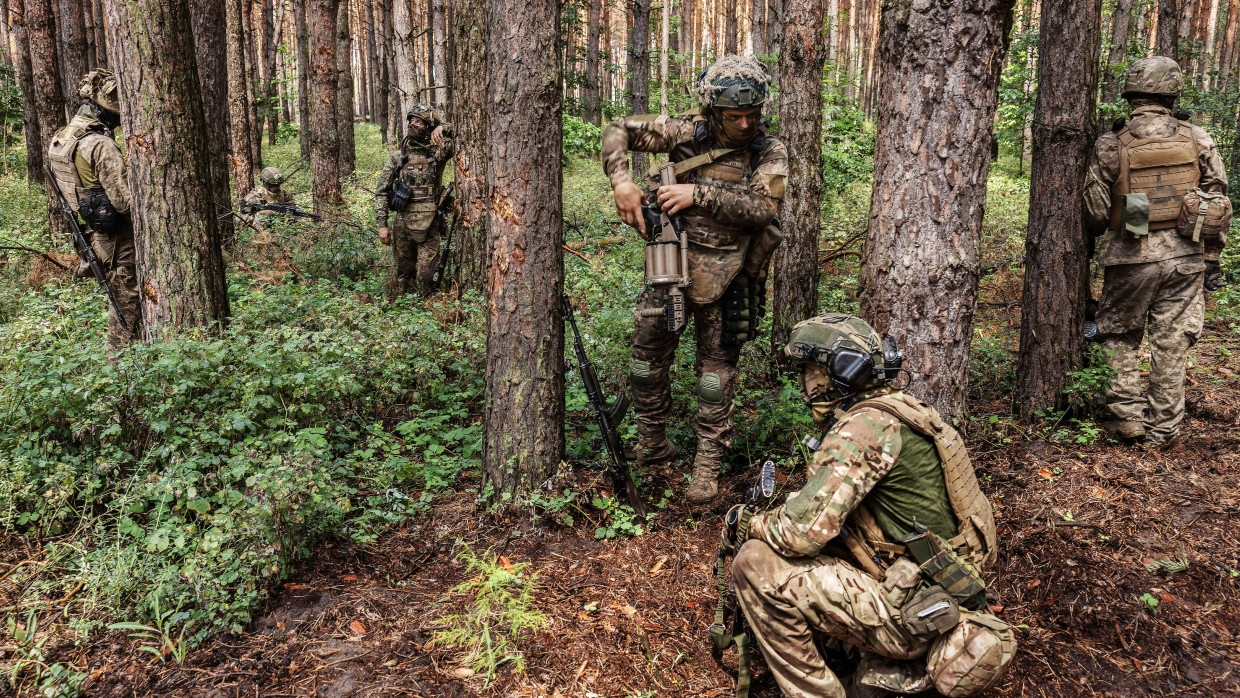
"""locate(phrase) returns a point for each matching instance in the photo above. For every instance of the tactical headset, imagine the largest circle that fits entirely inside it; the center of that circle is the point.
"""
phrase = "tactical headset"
(851, 368)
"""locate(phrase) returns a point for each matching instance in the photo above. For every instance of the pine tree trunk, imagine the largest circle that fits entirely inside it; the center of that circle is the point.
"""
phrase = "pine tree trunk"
(324, 137)
(524, 440)
(440, 45)
(180, 266)
(344, 87)
(732, 27)
(757, 26)
(268, 81)
(591, 86)
(795, 277)
(372, 50)
(71, 26)
(239, 126)
(1231, 37)
(1119, 42)
(253, 84)
(101, 41)
(936, 110)
(49, 101)
(664, 36)
(89, 19)
(25, 83)
(405, 59)
(469, 120)
(394, 99)
(639, 69)
(384, 94)
(774, 18)
(1056, 267)
(207, 17)
(684, 40)
(303, 76)
(1168, 28)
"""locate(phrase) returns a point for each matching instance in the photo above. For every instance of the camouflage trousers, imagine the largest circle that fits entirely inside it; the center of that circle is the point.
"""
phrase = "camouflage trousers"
(787, 600)
(1166, 299)
(415, 254)
(118, 256)
(651, 388)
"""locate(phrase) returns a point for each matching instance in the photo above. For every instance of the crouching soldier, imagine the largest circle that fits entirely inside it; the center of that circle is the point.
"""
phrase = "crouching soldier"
(269, 191)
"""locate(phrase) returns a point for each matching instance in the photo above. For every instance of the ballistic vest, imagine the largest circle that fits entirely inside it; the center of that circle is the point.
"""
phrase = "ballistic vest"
(73, 174)
(1164, 168)
(420, 172)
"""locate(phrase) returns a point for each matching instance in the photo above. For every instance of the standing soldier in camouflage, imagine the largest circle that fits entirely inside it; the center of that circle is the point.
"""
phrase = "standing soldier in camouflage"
(1140, 177)
(87, 164)
(269, 191)
(730, 179)
(411, 184)
(883, 549)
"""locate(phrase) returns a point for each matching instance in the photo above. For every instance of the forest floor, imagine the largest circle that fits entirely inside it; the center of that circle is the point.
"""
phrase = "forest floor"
(1119, 565)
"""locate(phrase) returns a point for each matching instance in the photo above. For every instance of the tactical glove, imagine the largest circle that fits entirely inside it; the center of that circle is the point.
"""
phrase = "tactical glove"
(1214, 276)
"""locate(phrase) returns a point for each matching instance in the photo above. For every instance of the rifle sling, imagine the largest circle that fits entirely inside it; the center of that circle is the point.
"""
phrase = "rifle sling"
(690, 164)
(720, 638)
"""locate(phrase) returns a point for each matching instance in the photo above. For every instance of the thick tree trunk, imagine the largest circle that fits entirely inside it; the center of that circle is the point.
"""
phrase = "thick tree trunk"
(344, 85)
(270, 112)
(936, 110)
(774, 18)
(25, 83)
(324, 138)
(800, 117)
(439, 52)
(591, 86)
(524, 440)
(88, 19)
(405, 59)
(732, 27)
(211, 55)
(757, 26)
(1119, 41)
(1168, 28)
(239, 127)
(180, 266)
(49, 101)
(469, 119)
(303, 73)
(71, 26)
(1056, 267)
(639, 68)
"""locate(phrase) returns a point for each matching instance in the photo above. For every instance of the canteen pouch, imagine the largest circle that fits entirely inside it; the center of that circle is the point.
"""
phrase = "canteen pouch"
(1136, 215)
(1204, 216)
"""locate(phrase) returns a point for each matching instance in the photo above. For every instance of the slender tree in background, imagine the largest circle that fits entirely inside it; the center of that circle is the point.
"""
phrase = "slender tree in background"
(733, 27)
(405, 59)
(469, 119)
(180, 266)
(389, 103)
(101, 42)
(49, 101)
(439, 50)
(1168, 28)
(239, 126)
(590, 85)
(664, 49)
(936, 109)
(71, 26)
(372, 49)
(1119, 42)
(253, 84)
(25, 83)
(639, 70)
(1056, 267)
(800, 127)
(269, 111)
(211, 55)
(303, 75)
(524, 441)
(774, 19)
(324, 138)
(344, 86)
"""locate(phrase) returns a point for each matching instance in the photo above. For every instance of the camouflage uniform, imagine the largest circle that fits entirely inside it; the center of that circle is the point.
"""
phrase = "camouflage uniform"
(86, 161)
(263, 194)
(416, 230)
(734, 197)
(1152, 281)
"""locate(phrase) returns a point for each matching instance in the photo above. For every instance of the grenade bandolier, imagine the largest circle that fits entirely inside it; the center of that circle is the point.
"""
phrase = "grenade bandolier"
(410, 186)
(890, 474)
(730, 177)
(269, 191)
(1157, 187)
(89, 169)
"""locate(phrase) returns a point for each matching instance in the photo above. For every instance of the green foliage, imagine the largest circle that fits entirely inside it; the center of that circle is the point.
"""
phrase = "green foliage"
(499, 615)
(54, 680)
(992, 367)
(1149, 602)
(164, 644)
(1087, 387)
(1018, 93)
(847, 137)
(619, 519)
(581, 137)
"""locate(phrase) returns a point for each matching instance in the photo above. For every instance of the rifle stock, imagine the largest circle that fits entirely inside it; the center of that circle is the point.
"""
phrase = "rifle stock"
(442, 266)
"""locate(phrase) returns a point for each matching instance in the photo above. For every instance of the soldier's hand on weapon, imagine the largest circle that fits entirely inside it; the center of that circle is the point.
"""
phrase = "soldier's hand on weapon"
(674, 198)
(437, 135)
(629, 199)
(383, 235)
(1214, 277)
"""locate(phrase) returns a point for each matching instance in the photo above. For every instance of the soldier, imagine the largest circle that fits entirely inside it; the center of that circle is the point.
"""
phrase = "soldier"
(269, 191)
(730, 179)
(890, 486)
(1138, 177)
(411, 184)
(87, 164)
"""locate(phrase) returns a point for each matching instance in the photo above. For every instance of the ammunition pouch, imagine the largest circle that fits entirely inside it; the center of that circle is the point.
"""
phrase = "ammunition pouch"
(744, 306)
(940, 565)
(399, 195)
(1204, 216)
(99, 213)
(930, 613)
(761, 248)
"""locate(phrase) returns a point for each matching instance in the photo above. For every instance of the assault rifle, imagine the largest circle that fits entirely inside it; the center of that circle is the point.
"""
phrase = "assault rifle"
(445, 200)
(84, 250)
(609, 418)
(287, 209)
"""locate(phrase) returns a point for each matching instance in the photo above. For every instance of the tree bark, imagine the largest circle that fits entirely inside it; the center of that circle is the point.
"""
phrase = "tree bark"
(1119, 42)
(270, 111)
(211, 56)
(757, 26)
(469, 119)
(180, 266)
(240, 128)
(639, 68)
(344, 86)
(936, 110)
(591, 86)
(439, 45)
(324, 137)
(253, 84)
(1056, 266)
(524, 442)
(88, 21)
(384, 95)
(392, 125)
(1168, 28)
(732, 27)
(25, 82)
(71, 26)
(303, 73)
(405, 59)
(795, 276)
(49, 101)
(774, 18)
(664, 36)
(1231, 37)
(101, 41)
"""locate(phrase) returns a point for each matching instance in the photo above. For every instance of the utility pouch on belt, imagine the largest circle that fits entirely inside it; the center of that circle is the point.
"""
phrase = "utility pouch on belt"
(1204, 216)
(1136, 215)
(99, 213)
(940, 564)
(399, 195)
(762, 247)
(931, 612)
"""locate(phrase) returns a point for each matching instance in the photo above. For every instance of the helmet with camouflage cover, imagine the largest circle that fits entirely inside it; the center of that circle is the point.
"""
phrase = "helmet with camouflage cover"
(734, 82)
(271, 176)
(846, 352)
(423, 112)
(99, 86)
(1157, 75)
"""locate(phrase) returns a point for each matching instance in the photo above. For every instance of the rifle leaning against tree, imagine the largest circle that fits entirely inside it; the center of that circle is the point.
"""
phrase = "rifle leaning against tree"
(445, 201)
(84, 250)
(609, 418)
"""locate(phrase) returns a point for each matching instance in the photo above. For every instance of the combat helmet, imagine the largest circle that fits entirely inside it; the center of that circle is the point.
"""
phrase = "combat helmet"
(1157, 75)
(734, 82)
(423, 112)
(849, 351)
(271, 176)
(99, 86)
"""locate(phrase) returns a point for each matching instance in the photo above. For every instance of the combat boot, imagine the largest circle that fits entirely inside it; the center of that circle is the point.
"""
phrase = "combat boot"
(1126, 429)
(655, 448)
(705, 483)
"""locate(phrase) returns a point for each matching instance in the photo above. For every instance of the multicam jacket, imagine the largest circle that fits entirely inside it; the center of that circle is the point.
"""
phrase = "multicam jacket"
(84, 158)
(422, 166)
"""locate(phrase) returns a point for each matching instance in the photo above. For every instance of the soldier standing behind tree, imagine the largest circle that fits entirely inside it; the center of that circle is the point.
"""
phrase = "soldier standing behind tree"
(730, 179)
(1156, 260)
(87, 164)
(410, 184)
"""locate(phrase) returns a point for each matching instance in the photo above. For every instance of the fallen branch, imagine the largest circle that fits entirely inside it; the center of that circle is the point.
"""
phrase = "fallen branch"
(44, 255)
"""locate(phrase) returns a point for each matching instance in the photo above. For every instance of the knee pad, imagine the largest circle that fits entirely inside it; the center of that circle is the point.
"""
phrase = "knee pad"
(639, 374)
(710, 388)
